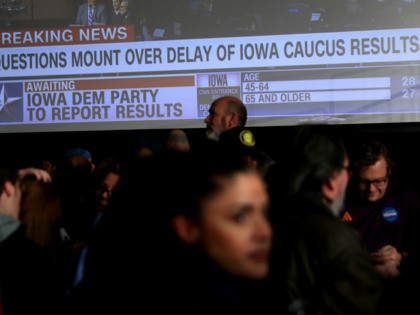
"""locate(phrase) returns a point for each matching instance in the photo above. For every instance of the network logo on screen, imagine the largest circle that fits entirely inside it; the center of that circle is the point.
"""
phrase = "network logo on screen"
(11, 102)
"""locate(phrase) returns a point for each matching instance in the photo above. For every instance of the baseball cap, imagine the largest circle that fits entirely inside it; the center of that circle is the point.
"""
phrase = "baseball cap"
(241, 141)
(79, 151)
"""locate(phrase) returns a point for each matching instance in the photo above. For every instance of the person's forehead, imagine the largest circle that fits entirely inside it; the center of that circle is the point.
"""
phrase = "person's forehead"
(219, 106)
(244, 191)
(377, 169)
(111, 179)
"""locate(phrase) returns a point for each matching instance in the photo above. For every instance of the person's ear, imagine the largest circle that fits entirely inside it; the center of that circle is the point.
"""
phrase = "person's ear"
(9, 188)
(233, 119)
(186, 230)
(330, 188)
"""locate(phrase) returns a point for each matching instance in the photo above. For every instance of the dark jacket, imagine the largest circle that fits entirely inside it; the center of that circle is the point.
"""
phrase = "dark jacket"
(200, 286)
(28, 278)
(99, 14)
(321, 263)
(135, 274)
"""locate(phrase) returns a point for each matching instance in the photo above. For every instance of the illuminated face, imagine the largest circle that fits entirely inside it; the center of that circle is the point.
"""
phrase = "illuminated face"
(373, 180)
(234, 230)
(217, 120)
(116, 4)
(11, 197)
(104, 192)
(91, 2)
(123, 7)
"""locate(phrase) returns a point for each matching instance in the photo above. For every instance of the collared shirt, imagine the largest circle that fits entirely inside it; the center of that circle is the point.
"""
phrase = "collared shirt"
(7, 226)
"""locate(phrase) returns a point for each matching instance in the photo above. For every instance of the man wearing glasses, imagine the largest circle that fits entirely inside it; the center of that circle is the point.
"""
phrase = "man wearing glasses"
(387, 216)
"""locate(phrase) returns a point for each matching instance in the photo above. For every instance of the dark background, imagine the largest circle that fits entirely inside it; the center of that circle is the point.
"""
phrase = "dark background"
(23, 149)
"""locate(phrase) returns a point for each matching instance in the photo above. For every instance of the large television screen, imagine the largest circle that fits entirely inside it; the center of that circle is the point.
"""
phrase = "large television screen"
(161, 63)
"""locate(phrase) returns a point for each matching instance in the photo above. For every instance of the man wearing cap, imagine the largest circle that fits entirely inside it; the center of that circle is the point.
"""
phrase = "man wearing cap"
(241, 141)
(79, 156)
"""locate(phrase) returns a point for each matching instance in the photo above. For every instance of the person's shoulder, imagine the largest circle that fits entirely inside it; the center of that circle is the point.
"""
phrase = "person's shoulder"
(304, 214)
(403, 195)
(406, 193)
(336, 238)
(203, 145)
(329, 227)
(18, 236)
(321, 235)
(19, 245)
(321, 220)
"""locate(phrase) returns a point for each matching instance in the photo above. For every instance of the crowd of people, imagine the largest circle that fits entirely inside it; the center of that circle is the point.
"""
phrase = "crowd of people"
(172, 19)
(327, 228)
(93, 13)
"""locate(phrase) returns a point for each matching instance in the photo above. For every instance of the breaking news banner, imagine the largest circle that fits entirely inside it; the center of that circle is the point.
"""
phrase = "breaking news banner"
(75, 35)
(117, 53)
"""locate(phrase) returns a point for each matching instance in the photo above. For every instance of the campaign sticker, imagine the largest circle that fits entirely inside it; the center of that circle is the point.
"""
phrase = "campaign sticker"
(389, 214)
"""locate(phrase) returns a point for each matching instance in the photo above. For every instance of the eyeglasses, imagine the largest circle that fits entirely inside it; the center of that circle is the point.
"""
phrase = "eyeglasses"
(379, 182)
(104, 189)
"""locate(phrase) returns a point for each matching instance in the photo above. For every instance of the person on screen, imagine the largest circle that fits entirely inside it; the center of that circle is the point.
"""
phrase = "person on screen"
(91, 13)
(125, 12)
(115, 16)
(386, 214)
(225, 113)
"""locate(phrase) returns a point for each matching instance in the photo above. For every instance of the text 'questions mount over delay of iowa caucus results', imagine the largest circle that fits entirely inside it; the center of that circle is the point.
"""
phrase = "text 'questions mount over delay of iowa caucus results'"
(79, 78)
